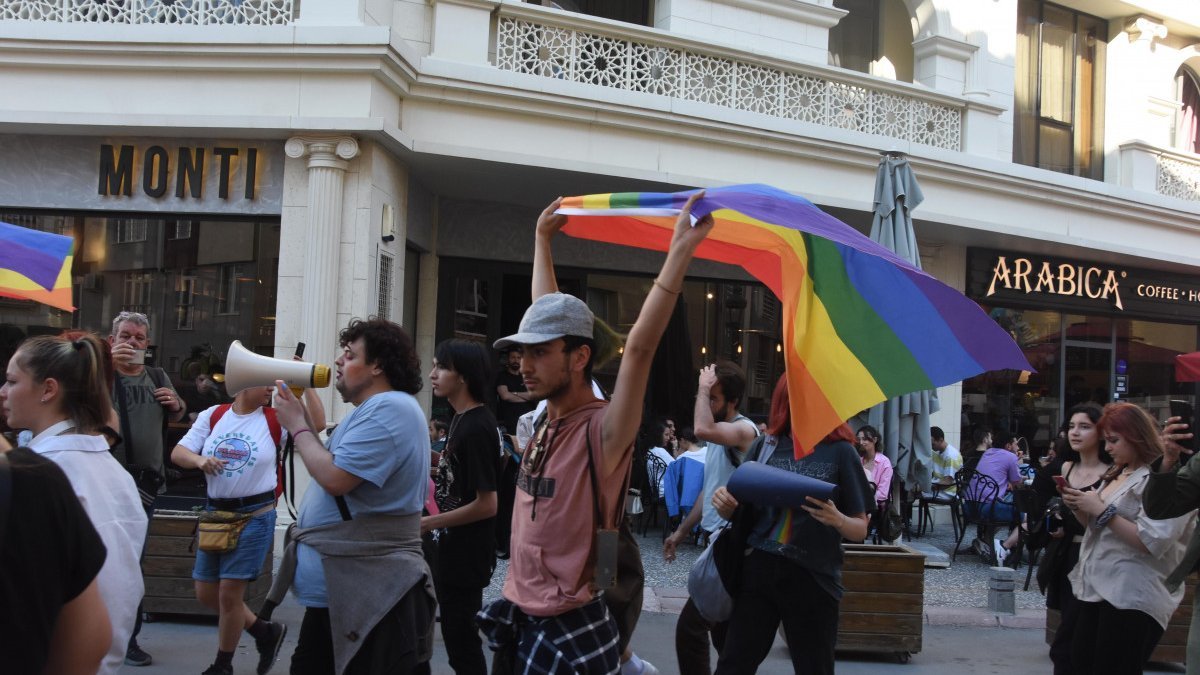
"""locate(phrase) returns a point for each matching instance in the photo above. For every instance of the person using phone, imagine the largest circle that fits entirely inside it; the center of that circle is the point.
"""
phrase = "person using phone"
(1172, 490)
(1081, 465)
(1125, 598)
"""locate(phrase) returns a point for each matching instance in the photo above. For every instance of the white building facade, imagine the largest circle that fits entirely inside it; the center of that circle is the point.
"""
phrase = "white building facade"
(265, 170)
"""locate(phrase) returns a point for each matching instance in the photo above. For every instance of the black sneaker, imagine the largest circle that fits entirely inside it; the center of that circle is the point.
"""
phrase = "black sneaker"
(134, 656)
(216, 669)
(269, 646)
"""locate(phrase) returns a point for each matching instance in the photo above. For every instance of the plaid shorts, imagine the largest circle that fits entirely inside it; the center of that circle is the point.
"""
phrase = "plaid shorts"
(582, 640)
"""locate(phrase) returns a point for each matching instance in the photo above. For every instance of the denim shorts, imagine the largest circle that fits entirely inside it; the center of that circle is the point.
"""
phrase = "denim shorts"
(244, 562)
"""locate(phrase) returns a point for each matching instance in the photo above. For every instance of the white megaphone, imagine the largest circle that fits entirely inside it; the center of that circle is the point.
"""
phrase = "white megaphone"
(245, 369)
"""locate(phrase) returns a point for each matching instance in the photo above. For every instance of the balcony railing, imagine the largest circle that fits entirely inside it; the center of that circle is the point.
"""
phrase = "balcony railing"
(1178, 176)
(179, 12)
(590, 56)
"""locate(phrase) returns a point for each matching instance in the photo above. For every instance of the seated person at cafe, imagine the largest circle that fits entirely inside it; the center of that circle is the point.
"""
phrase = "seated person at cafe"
(946, 462)
(1001, 465)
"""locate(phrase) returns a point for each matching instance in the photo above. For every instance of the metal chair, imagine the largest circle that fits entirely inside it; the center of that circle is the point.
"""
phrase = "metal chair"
(1031, 505)
(655, 469)
(977, 493)
(938, 496)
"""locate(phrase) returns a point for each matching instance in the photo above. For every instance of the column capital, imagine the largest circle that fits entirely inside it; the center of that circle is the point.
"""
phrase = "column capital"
(322, 151)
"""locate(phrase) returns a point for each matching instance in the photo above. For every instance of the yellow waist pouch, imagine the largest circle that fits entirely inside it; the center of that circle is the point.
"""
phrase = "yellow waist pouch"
(219, 531)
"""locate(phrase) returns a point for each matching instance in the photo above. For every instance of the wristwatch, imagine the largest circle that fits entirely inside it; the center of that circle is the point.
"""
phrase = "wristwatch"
(1105, 516)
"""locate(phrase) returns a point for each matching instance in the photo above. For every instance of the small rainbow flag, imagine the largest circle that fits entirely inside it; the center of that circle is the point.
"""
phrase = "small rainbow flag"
(860, 324)
(36, 266)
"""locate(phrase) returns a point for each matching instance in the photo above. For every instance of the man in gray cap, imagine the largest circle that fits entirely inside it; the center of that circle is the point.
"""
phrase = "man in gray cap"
(569, 489)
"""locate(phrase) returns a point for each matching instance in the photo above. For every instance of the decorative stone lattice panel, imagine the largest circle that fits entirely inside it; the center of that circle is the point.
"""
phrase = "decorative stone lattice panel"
(1177, 178)
(188, 12)
(566, 53)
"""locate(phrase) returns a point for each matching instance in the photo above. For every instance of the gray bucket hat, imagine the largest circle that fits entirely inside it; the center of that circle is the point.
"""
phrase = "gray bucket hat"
(550, 317)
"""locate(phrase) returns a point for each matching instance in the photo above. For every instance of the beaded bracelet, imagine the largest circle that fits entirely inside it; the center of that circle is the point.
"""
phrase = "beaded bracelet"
(1105, 516)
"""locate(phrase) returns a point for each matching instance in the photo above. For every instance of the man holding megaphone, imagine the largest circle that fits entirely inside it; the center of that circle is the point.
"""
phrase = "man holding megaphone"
(368, 488)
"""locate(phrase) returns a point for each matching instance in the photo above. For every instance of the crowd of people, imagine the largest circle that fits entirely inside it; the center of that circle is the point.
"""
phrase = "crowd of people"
(424, 508)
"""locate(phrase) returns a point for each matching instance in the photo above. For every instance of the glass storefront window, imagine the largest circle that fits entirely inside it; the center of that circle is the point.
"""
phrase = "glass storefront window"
(470, 309)
(202, 283)
(725, 320)
(1025, 402)
(1078, 359)
(1145, 354)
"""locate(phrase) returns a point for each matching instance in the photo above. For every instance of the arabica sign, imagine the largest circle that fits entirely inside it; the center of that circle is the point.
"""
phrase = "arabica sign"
(1061, 279)
(1000, 278)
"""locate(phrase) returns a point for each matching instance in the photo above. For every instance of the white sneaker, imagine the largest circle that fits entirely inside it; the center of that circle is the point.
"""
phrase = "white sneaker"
(1001, 553)
(628, 667)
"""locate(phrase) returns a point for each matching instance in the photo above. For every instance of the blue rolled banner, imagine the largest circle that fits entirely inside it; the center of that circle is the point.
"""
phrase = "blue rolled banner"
(763, 485)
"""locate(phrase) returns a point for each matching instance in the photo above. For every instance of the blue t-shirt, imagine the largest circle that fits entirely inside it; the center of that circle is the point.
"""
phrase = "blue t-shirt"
(385, 442)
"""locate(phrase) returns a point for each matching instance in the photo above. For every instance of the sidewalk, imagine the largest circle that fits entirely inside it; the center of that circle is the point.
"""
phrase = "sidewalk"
(960, 636)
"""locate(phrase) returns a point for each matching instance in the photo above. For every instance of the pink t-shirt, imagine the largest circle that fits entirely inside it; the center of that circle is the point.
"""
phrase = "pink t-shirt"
(551, 568)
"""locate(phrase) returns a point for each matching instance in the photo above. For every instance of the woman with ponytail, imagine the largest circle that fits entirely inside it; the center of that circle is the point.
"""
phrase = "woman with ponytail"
(57, 389)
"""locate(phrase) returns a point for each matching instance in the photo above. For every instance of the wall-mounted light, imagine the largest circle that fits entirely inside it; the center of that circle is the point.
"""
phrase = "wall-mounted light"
(387, 223)
(703, 349)
(778, 348)
(739, 348)
(708, 295)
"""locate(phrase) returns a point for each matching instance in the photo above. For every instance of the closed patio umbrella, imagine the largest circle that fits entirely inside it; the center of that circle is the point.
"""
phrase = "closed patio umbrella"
(902, 421)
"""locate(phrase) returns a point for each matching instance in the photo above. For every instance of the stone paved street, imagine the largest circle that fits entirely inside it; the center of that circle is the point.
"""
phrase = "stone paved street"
(963, 585)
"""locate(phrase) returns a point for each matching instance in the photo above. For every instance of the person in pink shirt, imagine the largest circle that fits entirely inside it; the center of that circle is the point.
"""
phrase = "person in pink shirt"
(571, 485)
(875, 464)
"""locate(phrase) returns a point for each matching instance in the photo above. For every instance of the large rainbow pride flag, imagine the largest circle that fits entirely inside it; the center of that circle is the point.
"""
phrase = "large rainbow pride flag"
(860, 325)
(36, 265)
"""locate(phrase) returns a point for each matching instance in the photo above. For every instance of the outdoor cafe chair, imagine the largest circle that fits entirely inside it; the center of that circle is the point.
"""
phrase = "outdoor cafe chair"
(978, 493)
(656, 468)
(938, 496)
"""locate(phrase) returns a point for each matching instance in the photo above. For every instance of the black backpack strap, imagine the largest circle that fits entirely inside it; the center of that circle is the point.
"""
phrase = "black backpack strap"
(123, 416)
(5, 495)
(288, 454)
(343, 508)
(731, 453)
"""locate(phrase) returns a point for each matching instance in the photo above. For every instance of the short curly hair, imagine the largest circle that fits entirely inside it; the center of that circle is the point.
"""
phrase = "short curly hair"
(388, 346)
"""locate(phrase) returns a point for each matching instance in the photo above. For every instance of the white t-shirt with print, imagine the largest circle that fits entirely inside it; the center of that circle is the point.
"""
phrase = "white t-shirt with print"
(244, 442)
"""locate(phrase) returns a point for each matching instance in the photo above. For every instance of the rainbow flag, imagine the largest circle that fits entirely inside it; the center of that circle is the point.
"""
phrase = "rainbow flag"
(36, 266)
(860, 324)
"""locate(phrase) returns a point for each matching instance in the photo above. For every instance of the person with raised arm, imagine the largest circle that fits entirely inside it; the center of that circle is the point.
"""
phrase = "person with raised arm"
(570, 488)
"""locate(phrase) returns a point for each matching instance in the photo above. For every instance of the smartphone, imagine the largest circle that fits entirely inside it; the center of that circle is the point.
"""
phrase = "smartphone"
(606, 559)
(151, 357)
(300, 350)
(1060, 481)
(1182, 410)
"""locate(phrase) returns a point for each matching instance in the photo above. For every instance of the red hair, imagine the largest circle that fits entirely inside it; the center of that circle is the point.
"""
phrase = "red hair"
(779, 419)
(1134, 425)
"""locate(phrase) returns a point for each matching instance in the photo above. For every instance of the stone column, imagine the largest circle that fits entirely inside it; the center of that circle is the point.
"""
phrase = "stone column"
(327, 162)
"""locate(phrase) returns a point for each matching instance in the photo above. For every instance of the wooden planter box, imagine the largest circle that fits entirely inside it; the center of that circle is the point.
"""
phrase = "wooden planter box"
(883, 608)
(167, 567)
(1172, 646)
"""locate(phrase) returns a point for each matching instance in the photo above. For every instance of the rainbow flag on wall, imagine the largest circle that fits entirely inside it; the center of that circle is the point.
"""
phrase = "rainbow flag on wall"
(860, 324)
(36, 265)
